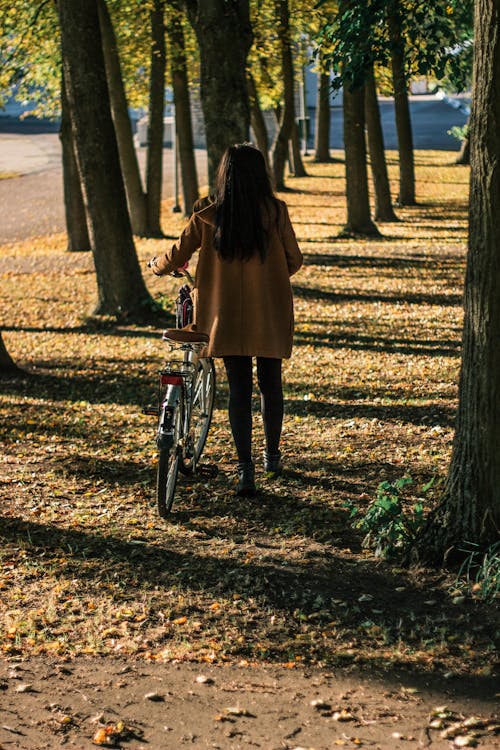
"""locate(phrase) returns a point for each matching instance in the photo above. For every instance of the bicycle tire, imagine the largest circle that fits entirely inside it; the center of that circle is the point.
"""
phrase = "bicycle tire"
(201, 416)
(168, 465)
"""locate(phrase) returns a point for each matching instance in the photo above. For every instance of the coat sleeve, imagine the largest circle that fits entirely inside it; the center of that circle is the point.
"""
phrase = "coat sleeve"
(294, 257)
(182, 250)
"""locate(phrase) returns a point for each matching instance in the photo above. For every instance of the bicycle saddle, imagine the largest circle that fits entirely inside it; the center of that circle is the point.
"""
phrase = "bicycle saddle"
(187, 335)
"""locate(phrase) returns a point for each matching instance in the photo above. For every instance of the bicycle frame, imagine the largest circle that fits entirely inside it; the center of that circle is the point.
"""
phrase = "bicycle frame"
(177, 379)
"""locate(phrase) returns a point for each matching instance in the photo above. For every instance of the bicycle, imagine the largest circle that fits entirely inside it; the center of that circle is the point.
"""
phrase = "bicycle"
(185, 404)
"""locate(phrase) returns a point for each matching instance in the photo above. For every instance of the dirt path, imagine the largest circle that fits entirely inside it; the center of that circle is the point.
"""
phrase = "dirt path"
(46, 704)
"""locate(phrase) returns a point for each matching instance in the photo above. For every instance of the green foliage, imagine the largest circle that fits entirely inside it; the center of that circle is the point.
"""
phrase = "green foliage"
(460, 133)
(480, 572)
(436, 39)
(390, 529)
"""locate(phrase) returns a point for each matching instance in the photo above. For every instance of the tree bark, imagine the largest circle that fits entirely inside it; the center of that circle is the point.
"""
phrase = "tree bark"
(383, 203)
(183, 125)
(74, 208)
(358, 204)
(464, 153)
(297, 165)
(7, 364)
(322, 135)
(287, 117)
(406, 195)
(136, 198)
(121, 289)
(257, 119)
(470, 506)
(224, 35)
(154, 156)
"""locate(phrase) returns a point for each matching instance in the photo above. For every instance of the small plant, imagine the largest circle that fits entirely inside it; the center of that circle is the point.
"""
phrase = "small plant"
(480, 572)
(460, 133)
(389, 529)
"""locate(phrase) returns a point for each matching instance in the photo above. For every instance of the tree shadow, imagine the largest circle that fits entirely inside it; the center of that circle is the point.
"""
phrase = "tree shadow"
(312, 587)
(321, 295)
(433, 264)
(392, 344)
(426, 414)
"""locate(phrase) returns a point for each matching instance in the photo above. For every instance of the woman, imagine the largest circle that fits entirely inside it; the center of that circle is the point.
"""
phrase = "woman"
(242, 296)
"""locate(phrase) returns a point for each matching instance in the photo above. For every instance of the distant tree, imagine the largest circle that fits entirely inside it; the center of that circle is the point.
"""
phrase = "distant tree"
(224, 35)
(136, 197)
(184, 128)
(121, 289)
(383, 203)
(322, 134)
(154, 156)
(469, 510)
(358, 202)
(287, 110)
(406, 195)
(74, 207)
(257, 118)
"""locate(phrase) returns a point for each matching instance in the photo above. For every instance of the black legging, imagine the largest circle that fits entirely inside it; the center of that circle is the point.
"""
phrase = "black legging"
(239, 375)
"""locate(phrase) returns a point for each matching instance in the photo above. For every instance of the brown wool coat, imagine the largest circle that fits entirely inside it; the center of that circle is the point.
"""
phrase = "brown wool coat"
(245, 307)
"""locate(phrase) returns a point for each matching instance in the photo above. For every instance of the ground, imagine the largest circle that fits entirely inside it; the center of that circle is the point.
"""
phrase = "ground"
(274, 593)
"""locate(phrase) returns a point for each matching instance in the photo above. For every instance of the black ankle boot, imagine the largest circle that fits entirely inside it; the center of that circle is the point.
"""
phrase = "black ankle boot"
(273, 465)
(246, 479)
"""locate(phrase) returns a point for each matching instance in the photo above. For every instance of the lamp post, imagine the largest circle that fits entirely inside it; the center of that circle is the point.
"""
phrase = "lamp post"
(176, 209)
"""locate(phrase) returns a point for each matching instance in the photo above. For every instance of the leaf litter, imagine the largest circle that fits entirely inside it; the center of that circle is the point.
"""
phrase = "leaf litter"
(88, 569)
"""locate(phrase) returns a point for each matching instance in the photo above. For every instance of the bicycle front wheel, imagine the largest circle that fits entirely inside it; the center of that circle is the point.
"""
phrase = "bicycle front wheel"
(202, 405)
(168, 465)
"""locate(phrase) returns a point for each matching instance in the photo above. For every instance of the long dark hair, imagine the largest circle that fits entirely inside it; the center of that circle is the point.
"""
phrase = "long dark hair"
(243, 198)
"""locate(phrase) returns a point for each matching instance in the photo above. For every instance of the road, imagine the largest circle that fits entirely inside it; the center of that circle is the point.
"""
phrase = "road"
(31, 204)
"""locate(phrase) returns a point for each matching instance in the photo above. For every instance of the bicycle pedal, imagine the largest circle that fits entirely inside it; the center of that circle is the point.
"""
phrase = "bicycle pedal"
(152, 411)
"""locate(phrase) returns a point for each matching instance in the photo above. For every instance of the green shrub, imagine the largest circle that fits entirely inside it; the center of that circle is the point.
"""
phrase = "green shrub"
(389, 528)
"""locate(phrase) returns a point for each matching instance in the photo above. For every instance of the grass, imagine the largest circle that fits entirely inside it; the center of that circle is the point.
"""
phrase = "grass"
(370, 395)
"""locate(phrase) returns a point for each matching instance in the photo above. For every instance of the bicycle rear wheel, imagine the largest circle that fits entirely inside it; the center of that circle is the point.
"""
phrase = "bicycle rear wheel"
(201, 415)
(168, 464)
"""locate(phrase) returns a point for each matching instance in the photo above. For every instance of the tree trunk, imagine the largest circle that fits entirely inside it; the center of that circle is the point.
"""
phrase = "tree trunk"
(224, 35)
(154, 156)
(406, 195)
(297, 165)
(464, 153)
(358, 203)
(7, 364)
(287, 117)
(383, 203)
(257, 119)
(136, 198)
(74, 208)
(470, 506)
(322, 135)
(183, 125)
(121, 289)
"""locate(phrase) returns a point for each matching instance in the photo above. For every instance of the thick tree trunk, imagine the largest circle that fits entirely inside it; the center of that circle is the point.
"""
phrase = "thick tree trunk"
(297, 165)
(383, 203)
(7, 364)
(183, 125)
(322, 135)
(224, 35)
(257, 119)
(136, 198)
(470, 507)
(74, 208)
(358, 203)
(287, 117)
(120, 285)
(154, 156)
(406, 195)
